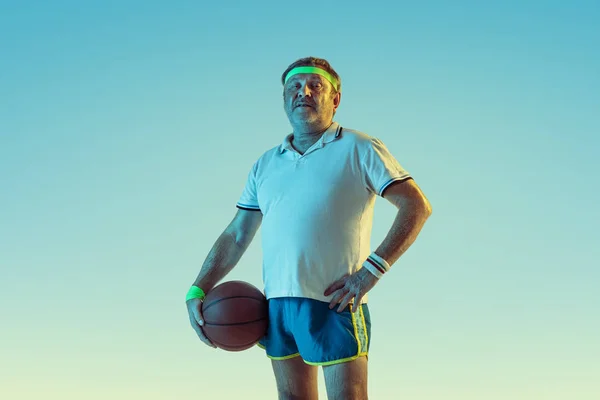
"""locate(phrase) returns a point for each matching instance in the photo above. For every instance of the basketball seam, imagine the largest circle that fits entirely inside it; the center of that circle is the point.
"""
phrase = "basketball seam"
(227, 298)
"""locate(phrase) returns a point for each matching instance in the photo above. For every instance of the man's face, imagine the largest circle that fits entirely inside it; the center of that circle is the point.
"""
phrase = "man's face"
(309, 98)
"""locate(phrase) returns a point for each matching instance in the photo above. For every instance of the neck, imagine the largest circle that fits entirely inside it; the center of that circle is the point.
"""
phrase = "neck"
(306, 132)
(305, 136)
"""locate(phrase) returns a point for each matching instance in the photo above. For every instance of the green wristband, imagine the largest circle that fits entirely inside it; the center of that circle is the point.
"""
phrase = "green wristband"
(195, 293)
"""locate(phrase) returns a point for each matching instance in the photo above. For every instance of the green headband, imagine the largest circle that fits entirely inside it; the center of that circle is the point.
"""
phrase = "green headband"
(311, 70)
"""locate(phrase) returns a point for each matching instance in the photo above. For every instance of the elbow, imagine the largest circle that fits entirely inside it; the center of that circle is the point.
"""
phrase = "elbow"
(418, 207)
(422, 207)
(427, 208)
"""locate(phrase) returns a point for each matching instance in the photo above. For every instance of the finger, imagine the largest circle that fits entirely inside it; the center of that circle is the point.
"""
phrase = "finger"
(345, 301)
(203, 336)
(200, 332)
(337, 296)
(197, 321)
(333, 287)
(357, 301)
(198, 314)
(336, 285)
(205, 339)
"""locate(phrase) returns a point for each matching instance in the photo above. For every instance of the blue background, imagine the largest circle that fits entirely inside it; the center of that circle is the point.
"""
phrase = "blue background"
(127, 130)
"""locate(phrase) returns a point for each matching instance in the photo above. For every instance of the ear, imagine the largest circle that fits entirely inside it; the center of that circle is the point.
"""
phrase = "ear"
(336, 100)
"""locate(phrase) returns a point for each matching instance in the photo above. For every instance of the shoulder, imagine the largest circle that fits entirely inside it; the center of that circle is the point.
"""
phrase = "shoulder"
(360, 140)
(270, 153)
(266, 158)
(354, 135)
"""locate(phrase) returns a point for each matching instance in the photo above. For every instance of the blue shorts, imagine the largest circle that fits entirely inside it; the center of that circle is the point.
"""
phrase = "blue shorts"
(308, 328)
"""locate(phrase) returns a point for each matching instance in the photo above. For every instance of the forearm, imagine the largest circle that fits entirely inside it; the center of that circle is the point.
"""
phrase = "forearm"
(404, 231)
(221, 259)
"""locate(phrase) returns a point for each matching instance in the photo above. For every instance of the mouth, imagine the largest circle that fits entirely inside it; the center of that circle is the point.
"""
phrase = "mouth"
(302, 106)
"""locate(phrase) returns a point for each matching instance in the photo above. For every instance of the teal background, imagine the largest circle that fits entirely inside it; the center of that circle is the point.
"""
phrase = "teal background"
(127, 129)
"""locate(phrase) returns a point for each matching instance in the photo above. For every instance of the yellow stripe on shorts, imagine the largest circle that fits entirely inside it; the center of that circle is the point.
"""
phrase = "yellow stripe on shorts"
(360, 331)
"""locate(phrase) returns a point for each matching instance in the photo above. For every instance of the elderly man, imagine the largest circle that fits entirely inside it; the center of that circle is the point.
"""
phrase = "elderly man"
(314, 196)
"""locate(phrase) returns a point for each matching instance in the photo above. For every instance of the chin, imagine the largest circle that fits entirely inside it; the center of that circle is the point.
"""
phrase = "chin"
(308, 121)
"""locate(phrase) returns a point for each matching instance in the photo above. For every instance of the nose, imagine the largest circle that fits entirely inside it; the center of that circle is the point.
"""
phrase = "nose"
(303, 91)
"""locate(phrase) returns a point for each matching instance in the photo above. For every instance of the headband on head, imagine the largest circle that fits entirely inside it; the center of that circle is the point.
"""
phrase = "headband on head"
(311, 70)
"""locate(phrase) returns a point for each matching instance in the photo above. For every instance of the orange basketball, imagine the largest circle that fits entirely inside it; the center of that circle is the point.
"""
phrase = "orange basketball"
(236, 315)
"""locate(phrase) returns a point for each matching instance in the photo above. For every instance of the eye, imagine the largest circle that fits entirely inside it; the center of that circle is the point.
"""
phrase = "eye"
(292, 87)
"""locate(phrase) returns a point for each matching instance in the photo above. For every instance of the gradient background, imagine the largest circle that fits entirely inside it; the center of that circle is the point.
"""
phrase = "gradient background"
(127, 129)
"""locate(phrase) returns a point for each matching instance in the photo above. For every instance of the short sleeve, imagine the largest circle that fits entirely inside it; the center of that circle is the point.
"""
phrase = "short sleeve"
(249, 199)
(380, 168)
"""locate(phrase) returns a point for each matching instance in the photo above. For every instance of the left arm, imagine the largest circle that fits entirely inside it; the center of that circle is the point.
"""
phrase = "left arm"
(413, 210)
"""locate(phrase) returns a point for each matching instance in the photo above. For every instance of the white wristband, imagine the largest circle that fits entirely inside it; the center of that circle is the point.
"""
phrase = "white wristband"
(376, 265)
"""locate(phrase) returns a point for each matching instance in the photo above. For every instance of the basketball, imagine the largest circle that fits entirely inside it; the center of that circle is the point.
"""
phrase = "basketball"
(236, 315)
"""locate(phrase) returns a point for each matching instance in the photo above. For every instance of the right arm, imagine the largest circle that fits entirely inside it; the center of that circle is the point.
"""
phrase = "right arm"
(224, 255)
(228, 249)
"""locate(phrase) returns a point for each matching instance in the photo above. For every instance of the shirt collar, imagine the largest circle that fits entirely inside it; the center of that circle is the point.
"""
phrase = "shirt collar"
(331, 134)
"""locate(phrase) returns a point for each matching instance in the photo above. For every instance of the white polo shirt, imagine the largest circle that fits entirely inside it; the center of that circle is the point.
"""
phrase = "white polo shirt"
(317, 209)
